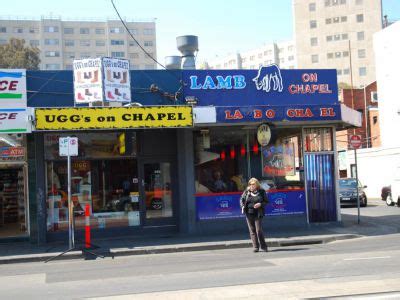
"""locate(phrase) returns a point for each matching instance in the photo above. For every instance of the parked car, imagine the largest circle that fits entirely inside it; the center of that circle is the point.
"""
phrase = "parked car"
(385, 192)
(348, 192)
(393, 197)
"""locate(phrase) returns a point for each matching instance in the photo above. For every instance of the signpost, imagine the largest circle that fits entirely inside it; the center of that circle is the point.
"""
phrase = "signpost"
(355, 142)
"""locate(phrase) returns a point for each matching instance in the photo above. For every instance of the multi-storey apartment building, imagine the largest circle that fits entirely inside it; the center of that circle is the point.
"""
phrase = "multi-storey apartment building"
(60, 42)
(282, 54)
(328, 31)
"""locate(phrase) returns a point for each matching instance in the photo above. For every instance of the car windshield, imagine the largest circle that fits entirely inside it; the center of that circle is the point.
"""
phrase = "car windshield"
(347, 183)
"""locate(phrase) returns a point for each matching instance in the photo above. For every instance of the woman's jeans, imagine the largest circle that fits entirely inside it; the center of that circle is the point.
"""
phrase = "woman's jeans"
(256, 231)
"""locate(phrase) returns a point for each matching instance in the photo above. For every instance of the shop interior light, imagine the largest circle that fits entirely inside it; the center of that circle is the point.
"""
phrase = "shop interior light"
(223, 155)
(255, 148)
(242, 150)
(232, 153)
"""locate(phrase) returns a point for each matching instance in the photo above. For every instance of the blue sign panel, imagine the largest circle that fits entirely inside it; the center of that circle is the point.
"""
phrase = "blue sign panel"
(235, 114)
(267, 86)
(221, 206)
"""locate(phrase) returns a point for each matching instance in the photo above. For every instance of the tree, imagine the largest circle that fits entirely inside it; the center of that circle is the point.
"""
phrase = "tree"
(15, 55)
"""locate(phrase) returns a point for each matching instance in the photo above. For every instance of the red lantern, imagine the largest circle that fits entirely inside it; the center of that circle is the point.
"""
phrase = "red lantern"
(242, 150)
(223, 155)
(232, 153)
(255, 148)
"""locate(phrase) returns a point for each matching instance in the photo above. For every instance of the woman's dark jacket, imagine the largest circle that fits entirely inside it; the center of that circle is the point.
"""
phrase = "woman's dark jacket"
(264, 202)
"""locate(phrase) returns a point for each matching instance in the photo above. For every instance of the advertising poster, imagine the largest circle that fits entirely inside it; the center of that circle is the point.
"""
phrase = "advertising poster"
(117, 82)
(12, 88)
(278, 160)
(88, 85)
(220, 206)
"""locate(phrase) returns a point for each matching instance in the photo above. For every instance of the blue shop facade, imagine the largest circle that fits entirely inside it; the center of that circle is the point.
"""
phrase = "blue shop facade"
(146, 176)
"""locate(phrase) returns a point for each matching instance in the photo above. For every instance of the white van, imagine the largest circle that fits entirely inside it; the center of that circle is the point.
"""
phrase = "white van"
(394, 196)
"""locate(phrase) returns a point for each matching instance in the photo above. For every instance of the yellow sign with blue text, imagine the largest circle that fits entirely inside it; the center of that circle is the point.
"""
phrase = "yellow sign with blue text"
(85, 118)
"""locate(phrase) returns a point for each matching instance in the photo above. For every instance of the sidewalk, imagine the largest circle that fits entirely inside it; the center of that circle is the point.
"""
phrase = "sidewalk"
(122, 246)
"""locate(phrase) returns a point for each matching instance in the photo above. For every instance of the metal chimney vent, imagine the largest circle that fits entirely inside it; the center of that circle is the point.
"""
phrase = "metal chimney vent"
(173, 62)
(188, 45)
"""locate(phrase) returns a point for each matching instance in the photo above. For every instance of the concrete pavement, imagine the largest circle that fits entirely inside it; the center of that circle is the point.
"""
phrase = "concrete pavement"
(317, 234)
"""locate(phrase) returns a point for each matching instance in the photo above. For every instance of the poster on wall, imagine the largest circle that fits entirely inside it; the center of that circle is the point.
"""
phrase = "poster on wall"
(88, 86)
(278, 160)
(117, 83)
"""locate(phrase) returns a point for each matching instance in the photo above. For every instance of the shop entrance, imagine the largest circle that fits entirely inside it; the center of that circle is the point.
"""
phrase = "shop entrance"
(156, 195)
(13, 216)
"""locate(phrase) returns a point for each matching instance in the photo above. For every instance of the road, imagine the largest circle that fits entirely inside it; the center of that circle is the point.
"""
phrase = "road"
(365, 265)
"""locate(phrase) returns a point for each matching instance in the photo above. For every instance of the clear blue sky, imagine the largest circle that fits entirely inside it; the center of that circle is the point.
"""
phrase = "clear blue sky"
(222, 26)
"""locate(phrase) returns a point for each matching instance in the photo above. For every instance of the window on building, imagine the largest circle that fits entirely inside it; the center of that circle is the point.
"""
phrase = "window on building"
(360, 36)
(100, 43)
(339, 72)
(18, 30)
(68, 30)
(336, 37)
(117, 42)
(314, 58)
(345, 53)
(360, 18)
(52, 54)
(281, 60)
(345, 36)
(99, 31)
(69, 43)
(311, 6)
(134, 31)
(33, 30)
(70, 55)
(260, 55)
(328, 21)
(118, 54)
(338, 54)
(52, 66)
(51, 42)
(327, 2)
(50, 28)
(329, 38)
(84, 43)
(342, 1)
(329, 55)
(100, 54)
(84, 31)
(134, 55)
(132, 43)
(252, 58)
(148, 31)
(359, 2)
(290, 48)
(68, 67)
(362, 71)
(85, 55)
(375, 119)
(313, 24)
(290, 58)
(343, 19)
(148, 43)
(335, 2)
(116, 30)
(336, 20)
(361, 53)
(34, 43)
(314, 41)
(346, 71)
(3, 29)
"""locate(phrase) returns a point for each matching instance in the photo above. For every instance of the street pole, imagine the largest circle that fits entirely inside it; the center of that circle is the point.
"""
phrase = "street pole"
(366, 117)
(70, 204)
(351, 82)
(358, 196)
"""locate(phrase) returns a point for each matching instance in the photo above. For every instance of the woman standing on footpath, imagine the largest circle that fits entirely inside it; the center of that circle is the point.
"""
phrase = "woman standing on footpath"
(252, 202)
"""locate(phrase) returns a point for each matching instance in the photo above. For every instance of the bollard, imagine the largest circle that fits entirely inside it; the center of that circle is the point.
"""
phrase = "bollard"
(87, 226)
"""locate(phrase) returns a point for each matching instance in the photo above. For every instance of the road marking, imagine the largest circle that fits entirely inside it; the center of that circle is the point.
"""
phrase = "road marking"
(363, 258)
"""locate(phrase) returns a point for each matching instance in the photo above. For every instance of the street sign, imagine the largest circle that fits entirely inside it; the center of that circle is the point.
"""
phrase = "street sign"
(68, 146)
(355, 141)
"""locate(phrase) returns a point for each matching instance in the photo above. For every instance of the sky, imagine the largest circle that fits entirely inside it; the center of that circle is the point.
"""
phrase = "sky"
(223, 27)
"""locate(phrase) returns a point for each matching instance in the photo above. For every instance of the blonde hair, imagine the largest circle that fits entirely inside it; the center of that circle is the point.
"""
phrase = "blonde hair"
(255, 181)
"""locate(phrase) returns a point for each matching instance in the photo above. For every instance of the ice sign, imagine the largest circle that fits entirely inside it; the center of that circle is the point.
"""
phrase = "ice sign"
(68, 146)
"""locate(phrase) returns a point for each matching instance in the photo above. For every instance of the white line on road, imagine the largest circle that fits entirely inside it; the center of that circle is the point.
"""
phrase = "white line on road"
(363, 258)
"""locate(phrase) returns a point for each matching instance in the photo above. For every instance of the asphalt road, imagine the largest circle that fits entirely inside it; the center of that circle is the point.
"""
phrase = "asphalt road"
(366, 265)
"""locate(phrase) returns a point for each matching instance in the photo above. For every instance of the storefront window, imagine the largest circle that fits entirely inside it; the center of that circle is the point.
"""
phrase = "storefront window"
(318, 139)
(104, 177)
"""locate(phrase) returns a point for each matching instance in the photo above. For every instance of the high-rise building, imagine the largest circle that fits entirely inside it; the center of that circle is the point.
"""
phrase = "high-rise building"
(282, 54)
(60, 42)
(328, 31)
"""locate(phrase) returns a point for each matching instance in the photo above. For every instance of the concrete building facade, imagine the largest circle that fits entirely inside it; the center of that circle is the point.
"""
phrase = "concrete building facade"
(282, 54)
(60, 42)
(338, 34)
